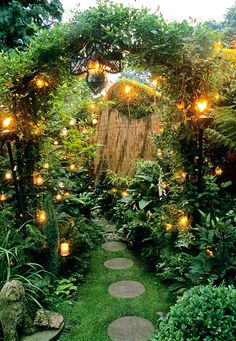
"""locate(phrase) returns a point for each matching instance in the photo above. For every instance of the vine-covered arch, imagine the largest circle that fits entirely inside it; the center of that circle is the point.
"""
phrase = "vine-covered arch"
(182, 54)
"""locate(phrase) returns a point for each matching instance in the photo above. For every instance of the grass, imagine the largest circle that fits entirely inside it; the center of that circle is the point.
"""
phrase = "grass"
(95, 309)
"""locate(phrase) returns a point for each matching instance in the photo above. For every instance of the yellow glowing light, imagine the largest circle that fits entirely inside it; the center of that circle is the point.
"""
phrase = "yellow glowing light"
(56, 143)
(3, 197)
(64, 132)
(114, 190)
(168, 227)
(38, 180)
(124, 193)
(95, 67)
(64, 249)
(46, 165)
(89, 187)
(202, 105)
(218, 171)
(159, 153)
(58, 197)
(8, 176)
(183, 174)
(66, 194)
(180, 105)
(41, 216)
(127, 89)
(217, 97)
(209, 251)
(184, 220)
(6, 122)
(92, 106)
(154, 82)
(72, 122)
(72, 167)
(94, 121)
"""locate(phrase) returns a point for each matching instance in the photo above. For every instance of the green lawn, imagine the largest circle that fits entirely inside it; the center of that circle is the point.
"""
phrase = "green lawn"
(95, 309)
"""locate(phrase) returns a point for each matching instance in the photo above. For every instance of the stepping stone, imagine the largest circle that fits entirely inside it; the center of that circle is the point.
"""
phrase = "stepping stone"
(130, 328)
(114, 246)
(111, 229)
(119, 263)
(126, 289)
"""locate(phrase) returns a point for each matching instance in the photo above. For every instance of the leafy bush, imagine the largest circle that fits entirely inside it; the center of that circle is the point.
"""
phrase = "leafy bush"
(203, 313)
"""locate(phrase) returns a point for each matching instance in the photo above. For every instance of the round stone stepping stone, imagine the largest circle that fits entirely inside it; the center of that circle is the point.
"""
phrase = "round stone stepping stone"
(111, 229)
(126, 289)
(130, 328)
(114, 246)
(119, 263)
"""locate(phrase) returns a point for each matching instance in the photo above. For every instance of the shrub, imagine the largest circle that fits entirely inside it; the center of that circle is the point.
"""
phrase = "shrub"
(203, 313)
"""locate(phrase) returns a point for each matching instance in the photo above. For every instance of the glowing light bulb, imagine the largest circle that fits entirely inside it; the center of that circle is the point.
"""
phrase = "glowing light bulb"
(114, 190)
(154, 83)
(92, 106)
(66, 194)
(38, 180)
(180, 105)
(3, 197)
(41, 216)
(127, 89)
(159, 153)
(124, 193)
(202, 105)
(56, 143)
(6, 122)
(8, 176)
(72, 167)
(209, 251)
(94, 121)
(183, 174)
(58, 197)
(46, 165)
(184, 220)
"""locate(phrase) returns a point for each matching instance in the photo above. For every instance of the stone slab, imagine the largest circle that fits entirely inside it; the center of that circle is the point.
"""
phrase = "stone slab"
(114, 246)
(46, 335)
(111, 229)
(126, 289)
(119, 263)
(130, 328)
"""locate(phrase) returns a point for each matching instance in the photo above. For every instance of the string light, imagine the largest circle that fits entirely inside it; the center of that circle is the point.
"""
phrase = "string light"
(8, 176)
(66, 194)
(72, 122)
(46, 165)
(3, 197)
(41, 216)
(159, 153)
(58, 197)
(180, 105)
(168, 227)
(38, 179)
(124, 193)
(183, 220)
(209, 251)
(94, 121)
(183, 174)
(56, 143)
(64, 132)
(40, 82)
(72, 167)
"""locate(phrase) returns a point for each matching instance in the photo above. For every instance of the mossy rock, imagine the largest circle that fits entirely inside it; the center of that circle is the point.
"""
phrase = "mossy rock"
(138, 103)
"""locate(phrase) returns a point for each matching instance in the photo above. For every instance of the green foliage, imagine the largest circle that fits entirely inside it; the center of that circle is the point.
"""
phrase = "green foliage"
(203, 313)
(138, 103)
(20, 20)
(217, 244)
(52, 234)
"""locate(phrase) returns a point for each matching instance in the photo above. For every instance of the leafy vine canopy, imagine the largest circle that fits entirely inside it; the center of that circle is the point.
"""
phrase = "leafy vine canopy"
(184, 54)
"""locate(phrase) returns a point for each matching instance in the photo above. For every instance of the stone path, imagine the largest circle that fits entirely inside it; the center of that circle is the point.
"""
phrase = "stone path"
(126, 328)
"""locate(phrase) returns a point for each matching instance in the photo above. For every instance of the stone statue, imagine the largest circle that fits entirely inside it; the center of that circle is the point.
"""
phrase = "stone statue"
(13, 312)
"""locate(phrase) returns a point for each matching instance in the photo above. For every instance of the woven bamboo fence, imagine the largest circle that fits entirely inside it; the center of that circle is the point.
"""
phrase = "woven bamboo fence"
(122, 140)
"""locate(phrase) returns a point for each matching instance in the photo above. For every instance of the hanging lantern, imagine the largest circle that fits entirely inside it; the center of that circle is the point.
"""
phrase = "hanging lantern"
(218, 171)
(96, 66)
(64, 249)
(41, 216)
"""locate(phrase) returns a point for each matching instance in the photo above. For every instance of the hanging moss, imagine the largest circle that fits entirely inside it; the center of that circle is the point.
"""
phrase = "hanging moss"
(137, 103)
